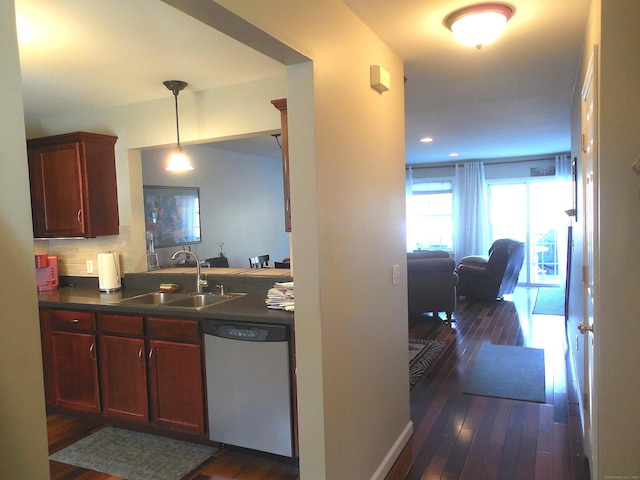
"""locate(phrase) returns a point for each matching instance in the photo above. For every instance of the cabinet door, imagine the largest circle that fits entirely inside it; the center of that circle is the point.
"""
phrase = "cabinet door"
(176, 386)
(75, 371)
(56, 191)
(123, 371)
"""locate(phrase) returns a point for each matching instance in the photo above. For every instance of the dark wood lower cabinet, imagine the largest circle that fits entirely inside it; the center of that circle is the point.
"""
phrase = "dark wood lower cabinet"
(176, 386)
(69, 353)
(151, 368)
(75, 371)
(123, 370)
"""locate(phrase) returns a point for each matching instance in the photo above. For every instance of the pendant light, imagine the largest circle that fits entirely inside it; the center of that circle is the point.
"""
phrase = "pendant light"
(478, 25)
(178, 161)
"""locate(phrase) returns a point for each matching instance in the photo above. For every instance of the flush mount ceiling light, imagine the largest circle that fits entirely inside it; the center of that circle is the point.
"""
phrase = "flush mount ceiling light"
(178, 161)
(480, 24)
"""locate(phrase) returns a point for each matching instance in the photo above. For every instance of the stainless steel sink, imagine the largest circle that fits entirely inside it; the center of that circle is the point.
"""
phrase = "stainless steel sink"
(195, 301)
(202, 300)
(153, 298)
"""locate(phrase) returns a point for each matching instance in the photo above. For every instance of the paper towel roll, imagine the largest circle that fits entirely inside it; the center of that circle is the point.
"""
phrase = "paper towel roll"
(108, 272)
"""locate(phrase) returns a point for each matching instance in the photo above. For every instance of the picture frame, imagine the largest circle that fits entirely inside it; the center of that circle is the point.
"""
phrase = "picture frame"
(573, 211)
(172, 215)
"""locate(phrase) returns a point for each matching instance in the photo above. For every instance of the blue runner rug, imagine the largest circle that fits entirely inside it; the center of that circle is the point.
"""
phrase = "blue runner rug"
(505, 371)
(549, 301)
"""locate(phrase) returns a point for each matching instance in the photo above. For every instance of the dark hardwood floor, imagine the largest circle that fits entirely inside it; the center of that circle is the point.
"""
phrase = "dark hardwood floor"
(459, 436)
(456, 436)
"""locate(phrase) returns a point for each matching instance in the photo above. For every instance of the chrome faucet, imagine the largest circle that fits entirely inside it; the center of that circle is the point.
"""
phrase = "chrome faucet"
(200, 282)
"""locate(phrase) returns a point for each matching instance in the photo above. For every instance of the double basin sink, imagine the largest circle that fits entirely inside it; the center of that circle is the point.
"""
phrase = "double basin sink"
(196, 301)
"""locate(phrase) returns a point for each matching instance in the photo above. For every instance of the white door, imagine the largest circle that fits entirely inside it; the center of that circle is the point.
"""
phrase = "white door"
(590, 260)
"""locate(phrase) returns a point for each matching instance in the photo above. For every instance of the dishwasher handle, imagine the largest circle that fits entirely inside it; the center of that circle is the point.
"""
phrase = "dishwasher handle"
(246, 332)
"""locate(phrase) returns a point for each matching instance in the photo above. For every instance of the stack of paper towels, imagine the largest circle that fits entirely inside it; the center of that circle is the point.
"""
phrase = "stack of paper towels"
(109, 272)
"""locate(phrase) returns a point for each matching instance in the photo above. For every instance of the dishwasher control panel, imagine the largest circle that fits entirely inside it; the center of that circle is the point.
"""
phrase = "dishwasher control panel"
(258, 334)
(250, 332)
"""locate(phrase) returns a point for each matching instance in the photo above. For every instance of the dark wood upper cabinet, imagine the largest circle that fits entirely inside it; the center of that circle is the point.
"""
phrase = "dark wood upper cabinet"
(73, 185)
(281, 104)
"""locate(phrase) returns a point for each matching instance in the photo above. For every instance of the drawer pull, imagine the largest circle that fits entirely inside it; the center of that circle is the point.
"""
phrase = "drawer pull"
(92, 352)
(141, 357)
(73, 320)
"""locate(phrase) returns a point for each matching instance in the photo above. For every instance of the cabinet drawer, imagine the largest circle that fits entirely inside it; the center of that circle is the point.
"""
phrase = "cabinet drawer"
(173, 329)
(121, 324)
(67, 320)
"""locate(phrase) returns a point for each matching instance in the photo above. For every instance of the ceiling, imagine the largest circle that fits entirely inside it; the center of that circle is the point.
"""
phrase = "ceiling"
(511, 98)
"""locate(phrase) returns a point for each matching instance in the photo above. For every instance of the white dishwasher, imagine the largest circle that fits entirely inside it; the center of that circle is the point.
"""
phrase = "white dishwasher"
(249, 398)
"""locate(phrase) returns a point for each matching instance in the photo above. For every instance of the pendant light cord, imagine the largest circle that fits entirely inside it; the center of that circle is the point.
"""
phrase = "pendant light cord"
(175, 95)
(176, 86)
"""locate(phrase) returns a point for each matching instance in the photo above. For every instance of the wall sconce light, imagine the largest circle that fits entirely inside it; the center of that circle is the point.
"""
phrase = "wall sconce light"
(178, 162)
(380, 78)
(480, 24)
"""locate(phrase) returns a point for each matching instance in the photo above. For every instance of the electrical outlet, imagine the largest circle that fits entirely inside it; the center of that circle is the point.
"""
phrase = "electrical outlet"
(395, 275)
(89, 266)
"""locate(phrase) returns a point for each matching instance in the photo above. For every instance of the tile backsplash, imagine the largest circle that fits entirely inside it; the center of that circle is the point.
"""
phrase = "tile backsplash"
(73, 254)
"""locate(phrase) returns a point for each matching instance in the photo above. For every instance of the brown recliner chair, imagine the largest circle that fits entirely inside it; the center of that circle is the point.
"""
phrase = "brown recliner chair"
(431, 283)
(491, 277)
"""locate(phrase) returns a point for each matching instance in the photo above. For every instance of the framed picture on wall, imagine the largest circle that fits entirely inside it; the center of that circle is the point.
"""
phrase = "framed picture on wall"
(172, 215)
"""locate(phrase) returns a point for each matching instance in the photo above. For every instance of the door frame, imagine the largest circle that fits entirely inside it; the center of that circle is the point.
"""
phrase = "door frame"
(590, 183)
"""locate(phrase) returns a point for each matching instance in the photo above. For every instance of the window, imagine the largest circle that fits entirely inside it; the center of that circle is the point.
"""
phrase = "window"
(430, 216)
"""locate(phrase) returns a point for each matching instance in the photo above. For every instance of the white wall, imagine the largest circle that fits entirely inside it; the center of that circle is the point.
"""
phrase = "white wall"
(618, 334)
(241, 199)
(23, 434)
(226, 112)
(348, 209)
(613, 27)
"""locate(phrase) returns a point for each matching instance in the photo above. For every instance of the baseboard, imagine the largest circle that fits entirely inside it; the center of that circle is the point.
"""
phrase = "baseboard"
(394, 452)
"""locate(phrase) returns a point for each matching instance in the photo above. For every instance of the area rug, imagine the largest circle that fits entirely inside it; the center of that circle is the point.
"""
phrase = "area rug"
(549, 301)
(422, 353)
(134, 455)
(508, 372)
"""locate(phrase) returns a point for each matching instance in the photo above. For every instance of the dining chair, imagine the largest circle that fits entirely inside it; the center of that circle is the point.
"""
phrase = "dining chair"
(261, 261)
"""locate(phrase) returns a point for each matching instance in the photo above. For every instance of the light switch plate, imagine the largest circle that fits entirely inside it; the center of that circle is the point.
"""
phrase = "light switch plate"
(395, 275)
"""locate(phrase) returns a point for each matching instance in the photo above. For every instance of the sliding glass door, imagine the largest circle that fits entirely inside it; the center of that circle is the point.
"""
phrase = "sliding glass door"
(528, 211)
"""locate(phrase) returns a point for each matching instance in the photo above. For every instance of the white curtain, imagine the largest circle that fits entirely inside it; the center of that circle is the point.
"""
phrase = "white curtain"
(471, 210)
(407, 218)
(564, 179)
(409, 182)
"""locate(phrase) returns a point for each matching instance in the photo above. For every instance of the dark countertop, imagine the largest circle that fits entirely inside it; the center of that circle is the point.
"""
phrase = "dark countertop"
(247, 308)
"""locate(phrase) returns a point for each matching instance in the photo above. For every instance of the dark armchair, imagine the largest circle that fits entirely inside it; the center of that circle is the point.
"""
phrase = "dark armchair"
(494, 276)
(431, 283)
